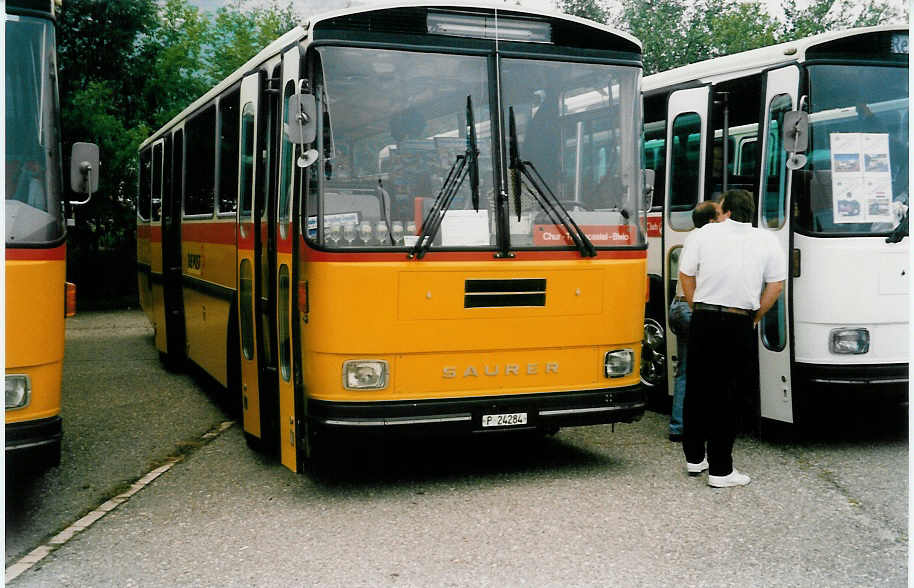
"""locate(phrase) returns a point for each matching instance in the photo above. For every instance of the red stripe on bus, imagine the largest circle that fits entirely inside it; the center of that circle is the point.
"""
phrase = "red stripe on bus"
(155, 233)
(246, 241)
(53, 254)
(142, 231)
(219, 233)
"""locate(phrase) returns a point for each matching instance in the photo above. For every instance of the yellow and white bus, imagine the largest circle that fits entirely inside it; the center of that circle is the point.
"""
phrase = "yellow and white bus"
(416, 218)
(37, 296)
(817, 129)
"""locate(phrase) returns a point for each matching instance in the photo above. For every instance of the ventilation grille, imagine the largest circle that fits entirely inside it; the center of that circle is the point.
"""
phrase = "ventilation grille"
(504, 293)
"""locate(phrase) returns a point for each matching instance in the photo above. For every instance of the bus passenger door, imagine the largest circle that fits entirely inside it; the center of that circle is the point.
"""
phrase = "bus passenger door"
(248, 256)
(686, 154)
(171, 248)
(285, 240)
(776, 400)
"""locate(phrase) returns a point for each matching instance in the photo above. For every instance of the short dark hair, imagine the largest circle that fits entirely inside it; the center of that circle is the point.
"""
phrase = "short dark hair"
(703, 213)
(739, 204)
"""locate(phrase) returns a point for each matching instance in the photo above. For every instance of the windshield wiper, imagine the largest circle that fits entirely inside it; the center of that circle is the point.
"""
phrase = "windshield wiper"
(465, 163)
(519, 170)
(901, 231)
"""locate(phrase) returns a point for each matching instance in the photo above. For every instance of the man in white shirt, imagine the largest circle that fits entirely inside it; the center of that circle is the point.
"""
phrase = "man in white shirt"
(731, 274)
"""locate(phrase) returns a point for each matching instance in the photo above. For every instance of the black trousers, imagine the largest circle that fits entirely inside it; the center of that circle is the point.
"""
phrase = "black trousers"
(720, 361)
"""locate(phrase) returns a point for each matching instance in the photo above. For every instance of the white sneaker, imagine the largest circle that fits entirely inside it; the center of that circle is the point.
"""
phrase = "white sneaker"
(696, 468)
(734, 478)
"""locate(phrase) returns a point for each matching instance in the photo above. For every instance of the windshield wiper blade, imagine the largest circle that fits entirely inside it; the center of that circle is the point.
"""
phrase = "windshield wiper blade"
(901, 231)
(465, 163)
(520, 169)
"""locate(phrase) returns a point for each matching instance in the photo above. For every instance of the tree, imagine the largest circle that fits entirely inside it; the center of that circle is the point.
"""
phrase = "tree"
(126, 68)
(829, 15)
(238, 33)
(678, 32)
(592, 9)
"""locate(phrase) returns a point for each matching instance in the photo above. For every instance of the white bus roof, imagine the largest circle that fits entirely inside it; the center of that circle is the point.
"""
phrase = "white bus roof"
(751, 62)
(304, 30)
(470, 4)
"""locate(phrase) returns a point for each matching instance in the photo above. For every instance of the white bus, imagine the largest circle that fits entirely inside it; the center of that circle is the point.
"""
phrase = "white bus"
(837, 204)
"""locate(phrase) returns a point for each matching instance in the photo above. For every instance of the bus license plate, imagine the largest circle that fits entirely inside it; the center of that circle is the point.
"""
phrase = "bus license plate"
(504, 420)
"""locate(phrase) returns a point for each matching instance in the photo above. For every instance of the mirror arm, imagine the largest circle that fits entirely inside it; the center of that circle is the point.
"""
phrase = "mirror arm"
(85, 168)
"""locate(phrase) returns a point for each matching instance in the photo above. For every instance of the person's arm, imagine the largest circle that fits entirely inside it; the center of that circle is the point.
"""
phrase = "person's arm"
(768, 298)
(688, 287)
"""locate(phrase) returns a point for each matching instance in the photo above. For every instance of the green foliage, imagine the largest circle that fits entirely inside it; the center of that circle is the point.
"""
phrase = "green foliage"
(678, 32)
(828, 15)
(126, 68)
(592, 9)
(239, 33)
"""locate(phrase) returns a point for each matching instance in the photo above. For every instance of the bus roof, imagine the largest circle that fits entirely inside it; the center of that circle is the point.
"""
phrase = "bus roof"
(471, 4)
(305, 30)
(752, 62)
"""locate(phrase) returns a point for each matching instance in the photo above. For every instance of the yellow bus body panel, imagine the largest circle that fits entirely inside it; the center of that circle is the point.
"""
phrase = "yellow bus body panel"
(206, 316)
(412, 315)
(35, 332)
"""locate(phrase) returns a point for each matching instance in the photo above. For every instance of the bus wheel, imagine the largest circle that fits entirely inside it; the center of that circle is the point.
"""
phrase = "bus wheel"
(653, 361)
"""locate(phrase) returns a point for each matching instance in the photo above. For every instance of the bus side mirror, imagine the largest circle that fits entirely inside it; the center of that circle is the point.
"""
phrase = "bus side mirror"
(647, 197)
(301, 119)
(795, 137)
(84, 165)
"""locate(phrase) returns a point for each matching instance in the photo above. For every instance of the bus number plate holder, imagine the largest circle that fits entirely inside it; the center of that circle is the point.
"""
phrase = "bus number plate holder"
(504, 420)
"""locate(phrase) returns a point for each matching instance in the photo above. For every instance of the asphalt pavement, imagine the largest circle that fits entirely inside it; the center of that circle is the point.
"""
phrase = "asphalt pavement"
(593, 506)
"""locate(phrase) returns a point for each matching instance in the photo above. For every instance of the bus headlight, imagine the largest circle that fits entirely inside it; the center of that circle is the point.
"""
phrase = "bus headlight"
(18, 391)
(849, 341)
(618, 363)
(365, 374)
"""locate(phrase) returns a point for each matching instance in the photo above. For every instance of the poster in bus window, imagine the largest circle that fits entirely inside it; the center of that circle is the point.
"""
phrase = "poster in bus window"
(861, 177)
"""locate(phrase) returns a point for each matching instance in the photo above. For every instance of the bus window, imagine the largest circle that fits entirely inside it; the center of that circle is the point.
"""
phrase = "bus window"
(201, 138)
(675, 252)
(156, 200)
(228, 152)
(686, 154)
(177, 172)
(655, 156)
(142, 201)
(774, 199)
(246, 296)
(846, 104)
(747, 160)
(584, 109)
(285, 173)
(773, 326)
(247, 158)
(167, 182)
(285, 342)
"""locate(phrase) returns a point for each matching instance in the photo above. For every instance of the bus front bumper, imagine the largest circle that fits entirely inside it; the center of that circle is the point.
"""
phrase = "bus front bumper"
(544, 411)
(38, 435)
(885, 381)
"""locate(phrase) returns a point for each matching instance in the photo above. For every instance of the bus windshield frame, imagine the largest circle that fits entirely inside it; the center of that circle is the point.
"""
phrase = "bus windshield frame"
(858, 148)
(393, 123)
(34, 216)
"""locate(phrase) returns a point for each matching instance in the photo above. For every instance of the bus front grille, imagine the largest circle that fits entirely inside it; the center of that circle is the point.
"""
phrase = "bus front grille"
(504, 293)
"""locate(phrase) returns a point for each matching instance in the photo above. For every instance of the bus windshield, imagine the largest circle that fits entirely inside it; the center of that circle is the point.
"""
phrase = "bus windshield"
(394, 124)
(33, 214)
(855, 181)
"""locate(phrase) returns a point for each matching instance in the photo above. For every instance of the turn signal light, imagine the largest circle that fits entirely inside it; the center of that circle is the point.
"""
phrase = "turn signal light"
(70, 305)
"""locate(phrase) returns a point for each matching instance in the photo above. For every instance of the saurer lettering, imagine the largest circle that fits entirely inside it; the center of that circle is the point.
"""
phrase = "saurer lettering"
(508, 369)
